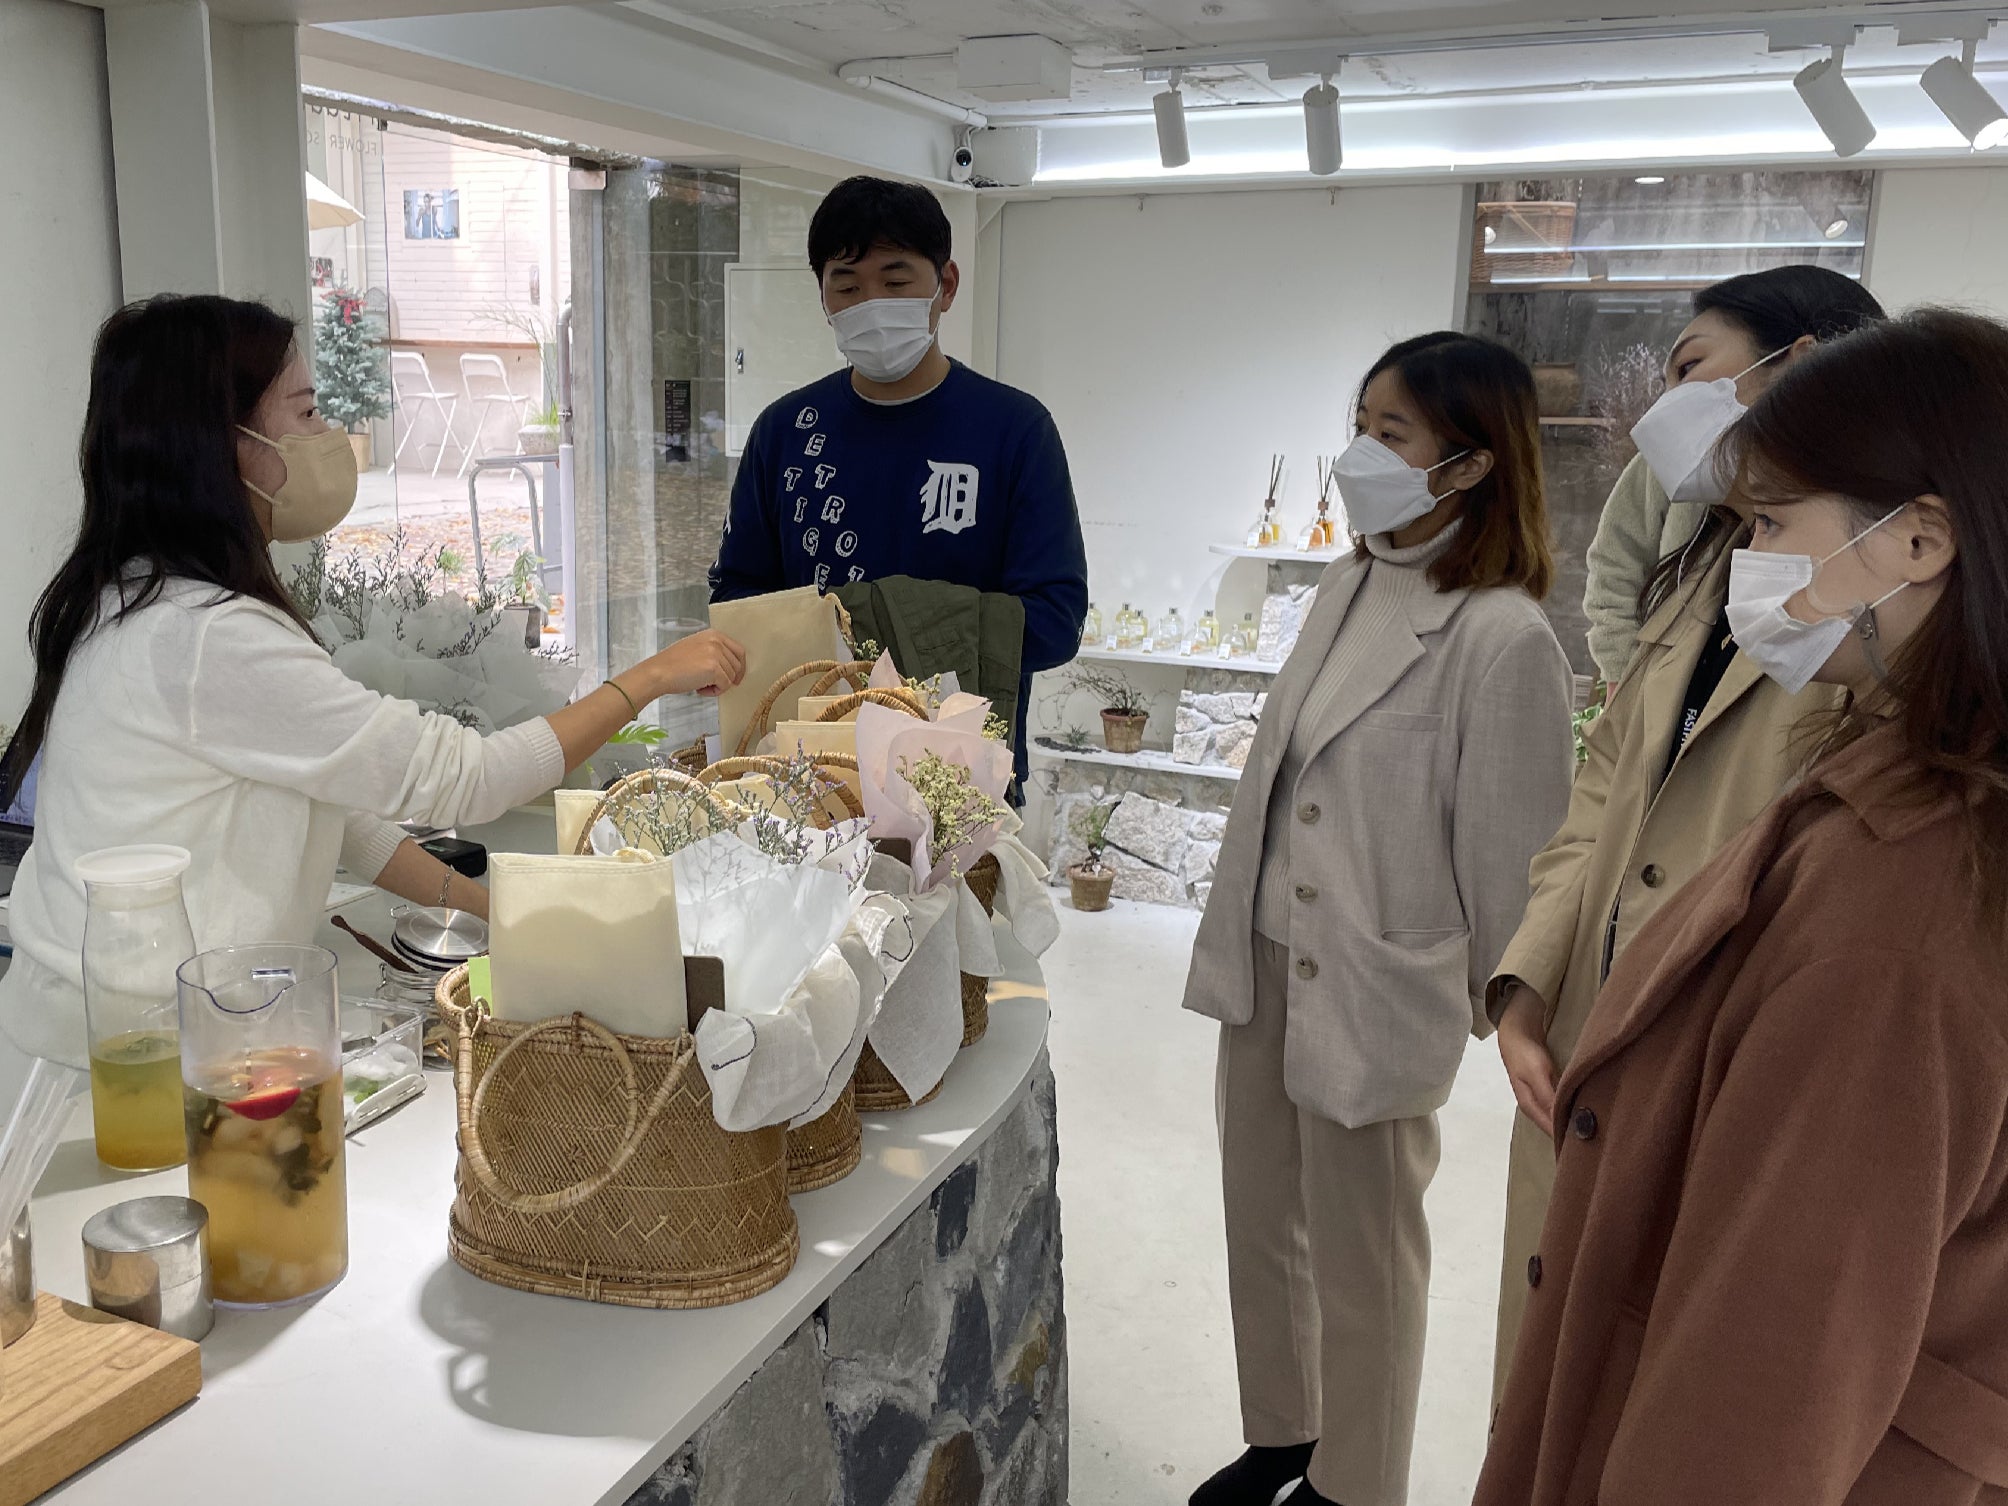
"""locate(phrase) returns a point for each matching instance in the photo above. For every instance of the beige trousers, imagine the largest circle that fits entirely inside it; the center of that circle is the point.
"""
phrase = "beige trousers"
(1327, 1263)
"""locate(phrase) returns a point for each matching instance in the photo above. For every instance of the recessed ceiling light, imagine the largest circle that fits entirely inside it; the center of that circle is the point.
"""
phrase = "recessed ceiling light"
(1649, 181)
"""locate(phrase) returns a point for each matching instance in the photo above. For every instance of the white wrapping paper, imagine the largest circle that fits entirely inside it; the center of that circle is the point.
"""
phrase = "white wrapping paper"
(919, 1025)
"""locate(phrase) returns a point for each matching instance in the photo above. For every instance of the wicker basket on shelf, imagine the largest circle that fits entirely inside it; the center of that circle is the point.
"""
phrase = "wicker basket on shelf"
(878, 1091)
(591, 1166)
(826, 1150)
(1547, 229)
(982, 880)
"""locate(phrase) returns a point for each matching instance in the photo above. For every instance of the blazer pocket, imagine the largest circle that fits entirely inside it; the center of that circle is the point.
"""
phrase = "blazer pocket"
(1423, 940)
(1401, 721)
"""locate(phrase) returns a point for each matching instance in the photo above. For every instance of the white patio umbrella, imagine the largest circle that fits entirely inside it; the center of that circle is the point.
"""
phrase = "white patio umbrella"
(326, 209)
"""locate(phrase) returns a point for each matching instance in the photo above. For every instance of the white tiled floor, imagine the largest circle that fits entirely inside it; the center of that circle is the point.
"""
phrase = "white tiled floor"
(1152, 1355)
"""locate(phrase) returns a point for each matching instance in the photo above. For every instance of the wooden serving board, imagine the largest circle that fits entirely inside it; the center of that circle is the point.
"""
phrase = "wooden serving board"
(76, 1386)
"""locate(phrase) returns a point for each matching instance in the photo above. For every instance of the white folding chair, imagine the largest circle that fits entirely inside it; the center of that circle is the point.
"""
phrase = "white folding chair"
(485, 380)
(411, 381)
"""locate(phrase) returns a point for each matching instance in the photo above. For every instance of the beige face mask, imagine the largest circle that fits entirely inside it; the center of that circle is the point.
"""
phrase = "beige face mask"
(320, 486)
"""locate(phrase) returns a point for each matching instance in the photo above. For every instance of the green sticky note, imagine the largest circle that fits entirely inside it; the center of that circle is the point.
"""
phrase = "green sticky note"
(477, 980)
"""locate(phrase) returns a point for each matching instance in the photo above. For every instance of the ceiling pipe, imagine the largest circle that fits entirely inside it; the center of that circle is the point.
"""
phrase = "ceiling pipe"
(860, 73)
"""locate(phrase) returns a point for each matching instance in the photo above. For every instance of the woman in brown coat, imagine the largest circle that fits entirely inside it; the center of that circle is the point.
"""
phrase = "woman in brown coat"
(1775, 1269)
(1695, 743)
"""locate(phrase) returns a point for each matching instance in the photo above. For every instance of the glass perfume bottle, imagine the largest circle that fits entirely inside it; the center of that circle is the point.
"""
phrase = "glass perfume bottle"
(1130, 628)
(1243, 637)
(1205, 634)
(1170, 633)
(1091, 627)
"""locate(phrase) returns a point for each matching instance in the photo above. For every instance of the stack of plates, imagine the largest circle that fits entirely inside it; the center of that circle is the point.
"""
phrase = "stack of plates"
(438, 941)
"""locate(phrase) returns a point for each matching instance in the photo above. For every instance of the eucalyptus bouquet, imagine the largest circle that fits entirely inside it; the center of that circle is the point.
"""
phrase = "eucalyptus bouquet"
(390, 622)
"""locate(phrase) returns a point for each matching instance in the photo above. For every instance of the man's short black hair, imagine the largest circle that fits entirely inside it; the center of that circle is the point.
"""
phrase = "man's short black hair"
(862, 213)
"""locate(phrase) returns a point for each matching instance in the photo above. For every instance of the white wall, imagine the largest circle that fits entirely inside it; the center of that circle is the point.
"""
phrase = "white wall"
(1940, 235)
(1180, 340)
(59, 246)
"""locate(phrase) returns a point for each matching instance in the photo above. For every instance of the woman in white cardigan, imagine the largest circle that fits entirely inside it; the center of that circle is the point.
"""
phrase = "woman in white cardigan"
(1414, 755)
(179, 696)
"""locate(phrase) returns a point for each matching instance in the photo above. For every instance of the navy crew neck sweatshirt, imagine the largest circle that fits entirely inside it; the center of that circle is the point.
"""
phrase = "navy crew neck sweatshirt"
(967, 483)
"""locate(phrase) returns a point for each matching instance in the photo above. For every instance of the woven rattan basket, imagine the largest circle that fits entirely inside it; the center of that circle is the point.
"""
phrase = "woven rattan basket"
(591, 1166)
(878, 1091)
(982, 880)
(829, 671)
(828, 1149)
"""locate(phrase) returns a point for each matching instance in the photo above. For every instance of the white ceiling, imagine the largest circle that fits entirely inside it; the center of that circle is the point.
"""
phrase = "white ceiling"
(914, 41)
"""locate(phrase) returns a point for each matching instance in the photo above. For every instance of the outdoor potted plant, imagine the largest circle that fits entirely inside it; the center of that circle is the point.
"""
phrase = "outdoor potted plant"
(1125, 709)
(1092, 879)
(351, 376)
(539, 435)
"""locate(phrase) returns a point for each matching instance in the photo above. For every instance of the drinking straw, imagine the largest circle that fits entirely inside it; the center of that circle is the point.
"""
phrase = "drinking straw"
(33, 1130)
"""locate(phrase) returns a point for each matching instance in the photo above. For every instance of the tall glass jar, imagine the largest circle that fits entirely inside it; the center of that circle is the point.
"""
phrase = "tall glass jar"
(261, 1060)
(136, 933)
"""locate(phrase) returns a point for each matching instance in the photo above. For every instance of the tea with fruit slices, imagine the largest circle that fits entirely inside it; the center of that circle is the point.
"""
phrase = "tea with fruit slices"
(136, 1100)
(265, 1158)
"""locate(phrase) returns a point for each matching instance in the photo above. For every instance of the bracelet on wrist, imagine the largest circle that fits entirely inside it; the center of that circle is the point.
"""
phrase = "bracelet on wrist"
(634, 711)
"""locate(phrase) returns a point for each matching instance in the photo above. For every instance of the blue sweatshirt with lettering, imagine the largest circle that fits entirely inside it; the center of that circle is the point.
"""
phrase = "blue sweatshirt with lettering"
(968, 484)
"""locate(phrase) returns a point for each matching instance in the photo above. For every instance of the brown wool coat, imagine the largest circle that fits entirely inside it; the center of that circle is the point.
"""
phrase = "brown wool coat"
(1775, 1270)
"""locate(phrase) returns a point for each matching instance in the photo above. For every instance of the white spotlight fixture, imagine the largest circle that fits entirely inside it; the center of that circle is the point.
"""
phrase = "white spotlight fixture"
(1173, 150)
(1321, 127)
(1966, 101)
(1835, 109)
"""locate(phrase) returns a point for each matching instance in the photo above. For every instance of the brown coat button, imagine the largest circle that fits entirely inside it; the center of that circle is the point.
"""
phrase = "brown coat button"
(1585, 1124)
(1306, 969)
(1307, 892)
(1308, 813)
(1653, 876)
(1533, 1270)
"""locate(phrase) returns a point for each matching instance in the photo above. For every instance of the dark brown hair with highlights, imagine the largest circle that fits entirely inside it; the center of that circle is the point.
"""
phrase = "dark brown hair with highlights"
(1902, 409)
(1476, 394)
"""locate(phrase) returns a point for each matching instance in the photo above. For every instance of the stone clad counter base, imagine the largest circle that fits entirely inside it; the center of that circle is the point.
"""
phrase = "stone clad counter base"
(935, 1376)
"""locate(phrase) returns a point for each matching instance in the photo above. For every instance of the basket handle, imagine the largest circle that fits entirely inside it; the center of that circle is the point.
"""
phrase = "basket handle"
(469, 1106)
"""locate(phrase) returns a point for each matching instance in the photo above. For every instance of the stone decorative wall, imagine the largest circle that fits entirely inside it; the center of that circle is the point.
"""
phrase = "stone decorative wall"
(935, 1376)
(1216, 730)
(1292, 590)
(1163, 836)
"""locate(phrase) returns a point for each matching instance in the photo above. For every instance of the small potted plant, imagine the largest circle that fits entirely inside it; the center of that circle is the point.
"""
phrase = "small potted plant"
(539, 433)
(1092, 879)
(1125, 709)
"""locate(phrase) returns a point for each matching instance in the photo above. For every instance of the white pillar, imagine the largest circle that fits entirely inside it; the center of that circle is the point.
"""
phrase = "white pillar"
(208, 154)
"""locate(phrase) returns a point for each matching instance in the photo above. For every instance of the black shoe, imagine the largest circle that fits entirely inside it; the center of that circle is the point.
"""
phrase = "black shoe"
(1254, 1478)
(1304, 1495)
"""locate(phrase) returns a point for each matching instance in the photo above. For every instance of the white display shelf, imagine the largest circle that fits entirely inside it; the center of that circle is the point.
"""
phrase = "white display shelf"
(1179, 661)
(1150, 761)
(1281, 552)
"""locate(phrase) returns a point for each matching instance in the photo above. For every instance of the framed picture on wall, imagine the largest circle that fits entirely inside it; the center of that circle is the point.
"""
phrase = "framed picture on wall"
(432, 214)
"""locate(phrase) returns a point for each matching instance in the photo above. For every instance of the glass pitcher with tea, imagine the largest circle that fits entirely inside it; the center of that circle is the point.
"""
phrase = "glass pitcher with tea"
(136, 933)
(261, 1066)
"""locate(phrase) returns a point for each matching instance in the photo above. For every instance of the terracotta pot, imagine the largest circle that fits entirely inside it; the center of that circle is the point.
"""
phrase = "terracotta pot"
(1091, 889)
(360, 443)
(1122, 731)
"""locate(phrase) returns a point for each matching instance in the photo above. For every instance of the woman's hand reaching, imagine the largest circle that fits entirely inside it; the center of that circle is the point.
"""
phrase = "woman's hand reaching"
(705, 663)
(1523, 1045)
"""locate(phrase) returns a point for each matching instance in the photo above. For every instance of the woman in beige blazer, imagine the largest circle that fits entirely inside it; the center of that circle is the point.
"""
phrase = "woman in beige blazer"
(1695, 743)
(1414, 754)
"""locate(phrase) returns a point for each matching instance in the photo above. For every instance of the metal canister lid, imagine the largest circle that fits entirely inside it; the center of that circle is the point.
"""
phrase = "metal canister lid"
(144, 1260)
(441, 937)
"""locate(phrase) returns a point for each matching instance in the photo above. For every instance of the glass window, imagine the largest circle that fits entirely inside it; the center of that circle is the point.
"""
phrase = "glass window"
(1591, 278)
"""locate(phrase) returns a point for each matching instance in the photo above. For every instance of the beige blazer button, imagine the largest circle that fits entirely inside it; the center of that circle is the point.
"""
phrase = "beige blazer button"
(1307, 892)
(1308, 813)
(1306, 969)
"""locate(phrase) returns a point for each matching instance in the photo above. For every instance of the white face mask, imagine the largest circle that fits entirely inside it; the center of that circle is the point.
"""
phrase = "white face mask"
(885, 338)
(1679, 433)
(1383, 492)
(1788, 650)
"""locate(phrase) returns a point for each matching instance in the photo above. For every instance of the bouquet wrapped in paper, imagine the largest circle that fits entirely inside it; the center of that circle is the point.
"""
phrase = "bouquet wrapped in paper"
(808, 948)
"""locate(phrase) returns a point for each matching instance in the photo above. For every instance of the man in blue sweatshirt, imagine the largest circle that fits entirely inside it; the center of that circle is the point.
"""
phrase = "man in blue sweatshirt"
(905, 462)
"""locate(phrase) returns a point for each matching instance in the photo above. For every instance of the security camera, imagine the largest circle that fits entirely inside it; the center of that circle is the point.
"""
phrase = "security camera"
(962, 166)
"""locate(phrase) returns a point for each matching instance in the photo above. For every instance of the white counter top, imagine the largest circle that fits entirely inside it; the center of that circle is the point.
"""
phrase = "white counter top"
(414, 1381)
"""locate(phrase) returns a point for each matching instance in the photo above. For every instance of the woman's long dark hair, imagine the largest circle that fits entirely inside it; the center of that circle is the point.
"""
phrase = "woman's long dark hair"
(1478, 395)
(1913, 407)
(1775, 308)
(170, 381)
